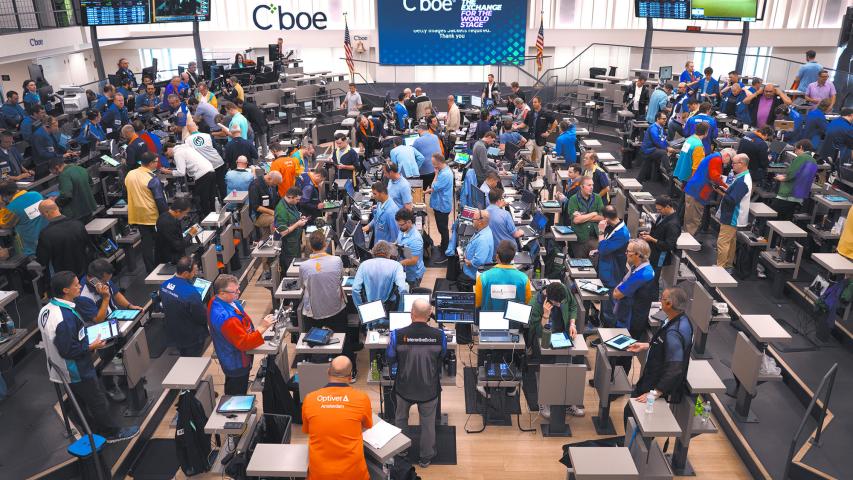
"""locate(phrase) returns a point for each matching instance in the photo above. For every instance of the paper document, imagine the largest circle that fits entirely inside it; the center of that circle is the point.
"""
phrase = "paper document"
(592, 143)
(380, 434)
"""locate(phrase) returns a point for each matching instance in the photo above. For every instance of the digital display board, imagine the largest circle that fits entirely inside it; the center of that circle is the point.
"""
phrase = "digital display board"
(726, 10)
(452, 32)
(133, 12)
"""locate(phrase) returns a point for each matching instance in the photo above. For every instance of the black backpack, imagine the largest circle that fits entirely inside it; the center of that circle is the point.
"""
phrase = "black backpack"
(403, 470)
(192, 444)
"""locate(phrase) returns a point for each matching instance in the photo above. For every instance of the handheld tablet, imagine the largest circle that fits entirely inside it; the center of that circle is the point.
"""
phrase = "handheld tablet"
(620, 342)
(371, 312)
(347, 281)
(236, 404)
(517, 312)
(399, 320)
(561, 340)
(106, 330)
(203, 286)
(112, 162)
(564, 230)
(123, 314)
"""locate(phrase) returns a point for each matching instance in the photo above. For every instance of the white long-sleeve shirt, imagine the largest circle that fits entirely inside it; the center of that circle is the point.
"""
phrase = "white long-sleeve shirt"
(190, 163)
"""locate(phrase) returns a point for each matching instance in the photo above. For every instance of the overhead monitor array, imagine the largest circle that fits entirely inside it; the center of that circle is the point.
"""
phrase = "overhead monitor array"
(726, 10)
(98, 13)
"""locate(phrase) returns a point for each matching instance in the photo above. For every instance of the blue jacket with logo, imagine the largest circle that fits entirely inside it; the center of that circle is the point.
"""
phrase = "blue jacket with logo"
(233, 335)
(186, 316)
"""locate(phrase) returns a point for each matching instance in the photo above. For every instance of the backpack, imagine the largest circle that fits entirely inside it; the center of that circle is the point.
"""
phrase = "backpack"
(192, 444)
(402, 469)
(428, 244)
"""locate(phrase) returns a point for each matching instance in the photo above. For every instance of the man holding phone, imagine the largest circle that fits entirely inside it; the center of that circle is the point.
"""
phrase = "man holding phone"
(289, 223)
(69, 357)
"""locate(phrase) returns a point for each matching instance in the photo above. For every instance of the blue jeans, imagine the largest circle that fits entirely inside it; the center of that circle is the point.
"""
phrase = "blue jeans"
(608, 318)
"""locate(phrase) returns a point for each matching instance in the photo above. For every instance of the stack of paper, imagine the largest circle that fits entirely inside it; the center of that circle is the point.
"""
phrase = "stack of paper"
(380, 434)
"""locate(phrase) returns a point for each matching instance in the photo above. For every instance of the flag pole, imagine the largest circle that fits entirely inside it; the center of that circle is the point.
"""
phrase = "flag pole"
(348, 55)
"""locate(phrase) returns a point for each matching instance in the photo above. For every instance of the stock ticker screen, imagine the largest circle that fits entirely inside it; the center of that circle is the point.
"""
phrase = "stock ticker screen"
(673, 9)
(129, 12)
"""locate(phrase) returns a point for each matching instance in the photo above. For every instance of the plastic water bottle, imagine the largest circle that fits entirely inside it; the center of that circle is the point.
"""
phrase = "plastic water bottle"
(374, 370)
(650, 401)
(706, 412)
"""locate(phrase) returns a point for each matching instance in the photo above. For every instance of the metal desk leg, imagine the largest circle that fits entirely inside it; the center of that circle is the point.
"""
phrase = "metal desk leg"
(684, 414)
(741, 410)
(699, 346)
(602, 422)
(556, 426)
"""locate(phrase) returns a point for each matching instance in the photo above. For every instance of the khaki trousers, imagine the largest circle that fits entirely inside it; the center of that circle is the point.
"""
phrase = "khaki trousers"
(726, 246)
(692, 214)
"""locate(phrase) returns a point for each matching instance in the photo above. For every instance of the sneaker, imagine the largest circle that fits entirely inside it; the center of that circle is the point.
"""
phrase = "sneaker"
(482, 391)
(424, 462)
(123, 434)
(576, 411)
(545, 411)
(354, 376)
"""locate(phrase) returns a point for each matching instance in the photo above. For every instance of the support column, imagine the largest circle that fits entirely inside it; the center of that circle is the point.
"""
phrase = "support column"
(741, 51)
(647, 45)
(96, 49)
(199, 57)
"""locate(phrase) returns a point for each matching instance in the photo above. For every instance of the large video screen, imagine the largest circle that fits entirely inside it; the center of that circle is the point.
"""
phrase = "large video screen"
(733, 10)
(129, 12)
(738, 10)
(452, 32)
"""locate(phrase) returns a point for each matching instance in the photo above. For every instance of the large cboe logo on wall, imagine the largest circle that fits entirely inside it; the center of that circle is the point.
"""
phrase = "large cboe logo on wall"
(270, 16)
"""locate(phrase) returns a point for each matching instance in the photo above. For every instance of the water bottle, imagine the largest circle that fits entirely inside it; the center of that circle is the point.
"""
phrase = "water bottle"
(374, 370)
(706, 412)
(546, 337)
(650, 401)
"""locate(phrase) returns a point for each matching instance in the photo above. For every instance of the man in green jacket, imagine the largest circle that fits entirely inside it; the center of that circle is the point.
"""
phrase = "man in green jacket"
(289, 222)
(800, 173)
(554, 309)
(75, 190)
(583, 211)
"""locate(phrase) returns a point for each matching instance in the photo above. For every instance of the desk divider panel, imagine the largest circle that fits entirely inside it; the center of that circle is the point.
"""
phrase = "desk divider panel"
(561, 384)
(700, 308)
(312, 376)
(746, 362)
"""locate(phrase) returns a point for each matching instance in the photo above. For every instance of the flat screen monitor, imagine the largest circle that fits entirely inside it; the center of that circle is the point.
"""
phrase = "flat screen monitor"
(518, 312)
(476, 101)
(459, 99)
(672, 9)
(170, 11)
(455, 307)
(272, 49)
(457, 32)
(372, 312)
(410, 139)
(307, 105)
(409, 300)
(133, 12)
(493, 321)
(726, 10)
(665, 74)
(398, 320)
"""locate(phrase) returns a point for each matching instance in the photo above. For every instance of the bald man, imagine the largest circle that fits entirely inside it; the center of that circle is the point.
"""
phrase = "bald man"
(419, 351)
(334, 418)
(63, 244)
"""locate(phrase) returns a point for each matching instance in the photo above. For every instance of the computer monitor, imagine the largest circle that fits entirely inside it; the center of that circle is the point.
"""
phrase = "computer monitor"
(136, 357)
(665, 74)
(518, 312)
(410, 139)
(455, 307)
(273, 52)
(459, 99)
(409, 300)
(493, 321)
(476, 101)
(308, 104)
(399, 320)
(260, 63)
(372, 313)
(350, 189)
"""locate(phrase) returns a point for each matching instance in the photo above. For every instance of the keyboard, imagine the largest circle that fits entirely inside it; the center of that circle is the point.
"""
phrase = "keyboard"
(487, 336)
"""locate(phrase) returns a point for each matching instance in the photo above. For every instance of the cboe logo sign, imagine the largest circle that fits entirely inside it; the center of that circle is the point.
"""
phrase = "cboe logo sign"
(265, 16)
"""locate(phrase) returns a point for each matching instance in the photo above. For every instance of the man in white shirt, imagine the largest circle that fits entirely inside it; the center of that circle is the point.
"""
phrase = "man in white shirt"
(352, 101)
(636, 97)
(203, 144)
(191, 164)
(453, 121)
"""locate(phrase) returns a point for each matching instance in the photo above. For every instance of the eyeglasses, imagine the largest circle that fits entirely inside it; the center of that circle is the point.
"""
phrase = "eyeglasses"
(235, 292)
(630, 252)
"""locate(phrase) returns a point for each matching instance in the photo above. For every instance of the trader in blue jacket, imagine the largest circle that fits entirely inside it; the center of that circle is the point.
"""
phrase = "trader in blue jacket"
(184, 310)
(91, 131)
(566, 146)
(115, 117)
(12, 113)
(481, 248)
(383, 224)
(815, 125)
(838, 141)
(32, 122)
(612, 244)
(704, 116)
(655, 149)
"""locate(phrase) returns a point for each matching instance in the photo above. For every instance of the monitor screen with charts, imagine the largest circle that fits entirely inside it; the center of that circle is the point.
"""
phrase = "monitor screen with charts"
(398, 320)
(236, 404)
(462, 158)
(409, 299)
(476, 101)
(620, 342)
(203, 286)
(371, 312)
(493, 321)
(518, 312)
(470, 213)
(104, 330)
(455, 307)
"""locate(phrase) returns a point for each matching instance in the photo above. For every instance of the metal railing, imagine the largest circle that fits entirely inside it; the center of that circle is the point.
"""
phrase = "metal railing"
(27, 15)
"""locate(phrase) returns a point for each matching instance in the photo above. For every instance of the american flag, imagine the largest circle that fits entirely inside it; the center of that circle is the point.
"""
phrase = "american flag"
(540, 46)
(348, 49)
